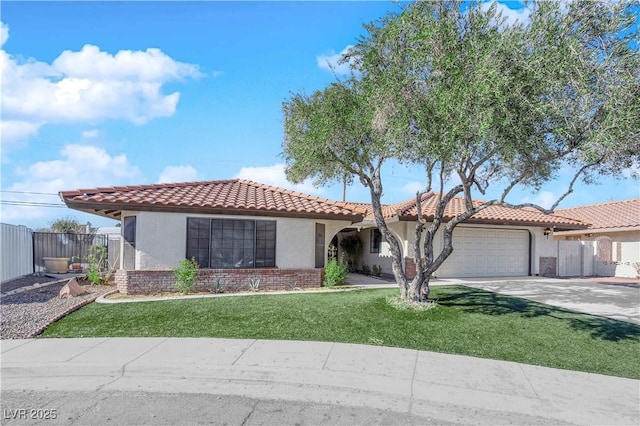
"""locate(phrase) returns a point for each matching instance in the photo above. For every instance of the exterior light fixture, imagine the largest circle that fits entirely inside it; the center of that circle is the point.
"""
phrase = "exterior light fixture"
(546, 232)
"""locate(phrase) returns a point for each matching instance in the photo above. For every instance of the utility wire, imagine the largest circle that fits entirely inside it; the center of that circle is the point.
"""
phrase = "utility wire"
(30, 204)
(27, 192)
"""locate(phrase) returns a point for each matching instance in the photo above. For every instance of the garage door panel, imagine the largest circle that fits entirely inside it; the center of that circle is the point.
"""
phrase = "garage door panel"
(486, 252)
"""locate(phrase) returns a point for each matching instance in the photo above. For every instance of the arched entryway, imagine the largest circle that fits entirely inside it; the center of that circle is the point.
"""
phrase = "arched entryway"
(374, 251)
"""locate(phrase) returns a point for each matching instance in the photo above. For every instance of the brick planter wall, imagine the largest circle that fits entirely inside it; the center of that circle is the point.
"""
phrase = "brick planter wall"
(409, 268)
(548, 267)
(233, 280)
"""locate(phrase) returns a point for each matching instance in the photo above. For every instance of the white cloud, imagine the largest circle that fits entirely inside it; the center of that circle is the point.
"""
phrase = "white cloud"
(178, 174)
(331, 61)
(511, 16)
(4, 33)
(413, 187)
(275, 176)
(80, 166)
(544, 199)
(90, 85)
(88, 134)
(14, 131)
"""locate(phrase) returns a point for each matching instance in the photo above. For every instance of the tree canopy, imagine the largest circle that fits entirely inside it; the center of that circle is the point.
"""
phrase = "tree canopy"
(479, 102)
(70, 225)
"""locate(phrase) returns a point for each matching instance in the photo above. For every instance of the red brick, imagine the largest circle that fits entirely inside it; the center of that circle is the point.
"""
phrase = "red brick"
(233, 280)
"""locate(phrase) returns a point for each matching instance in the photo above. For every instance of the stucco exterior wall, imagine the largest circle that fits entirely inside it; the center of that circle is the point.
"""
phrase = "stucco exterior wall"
(625, 251)
(541, 246)
(383, 258)
(161, 239)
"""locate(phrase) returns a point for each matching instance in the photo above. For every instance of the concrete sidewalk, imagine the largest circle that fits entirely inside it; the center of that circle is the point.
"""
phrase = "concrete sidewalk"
(405, 386)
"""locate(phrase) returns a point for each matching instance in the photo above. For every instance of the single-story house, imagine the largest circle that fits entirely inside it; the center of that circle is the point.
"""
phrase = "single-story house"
(614, 230)
(239, 230)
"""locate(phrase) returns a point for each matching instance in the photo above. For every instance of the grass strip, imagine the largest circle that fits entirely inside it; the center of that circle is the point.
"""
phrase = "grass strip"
(466, 321)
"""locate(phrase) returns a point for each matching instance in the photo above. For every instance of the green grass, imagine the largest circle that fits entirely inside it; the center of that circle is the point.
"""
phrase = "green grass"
(467, 322)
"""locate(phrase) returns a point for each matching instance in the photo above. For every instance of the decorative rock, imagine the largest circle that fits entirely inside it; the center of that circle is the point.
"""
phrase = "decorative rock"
(26, 313)
(71, 289)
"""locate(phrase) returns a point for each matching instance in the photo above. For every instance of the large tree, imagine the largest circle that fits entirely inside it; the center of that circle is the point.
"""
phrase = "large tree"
(69, 225)
(479, 102)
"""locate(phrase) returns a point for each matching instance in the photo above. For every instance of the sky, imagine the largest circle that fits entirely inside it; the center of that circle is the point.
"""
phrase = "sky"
(102, 94)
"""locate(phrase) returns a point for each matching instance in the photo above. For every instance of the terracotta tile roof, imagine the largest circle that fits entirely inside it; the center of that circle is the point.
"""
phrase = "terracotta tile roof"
(613, 214)
(235, 196)
(391, 210)
(407, 210)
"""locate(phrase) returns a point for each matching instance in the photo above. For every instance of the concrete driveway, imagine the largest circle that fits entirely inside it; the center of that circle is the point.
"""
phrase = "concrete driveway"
(609, 299)
(621, 302)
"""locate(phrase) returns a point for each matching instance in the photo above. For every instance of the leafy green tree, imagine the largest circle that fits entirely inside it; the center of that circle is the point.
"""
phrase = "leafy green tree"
(70, 225)
(479, 103)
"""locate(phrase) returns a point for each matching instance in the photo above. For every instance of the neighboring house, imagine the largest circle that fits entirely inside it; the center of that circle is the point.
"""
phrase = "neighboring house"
(615, 230)
(109, 230)
(239, 230)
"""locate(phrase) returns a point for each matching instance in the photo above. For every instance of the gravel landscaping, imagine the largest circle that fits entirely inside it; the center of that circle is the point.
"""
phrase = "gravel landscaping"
(25, 315)
(24, 281)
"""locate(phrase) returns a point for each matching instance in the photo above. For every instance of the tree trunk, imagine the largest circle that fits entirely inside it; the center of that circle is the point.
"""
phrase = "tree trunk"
(375, 187)
(419, 292)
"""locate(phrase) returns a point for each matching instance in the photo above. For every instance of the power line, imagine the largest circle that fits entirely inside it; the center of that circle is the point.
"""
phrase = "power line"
(27, 192)
(30, 204)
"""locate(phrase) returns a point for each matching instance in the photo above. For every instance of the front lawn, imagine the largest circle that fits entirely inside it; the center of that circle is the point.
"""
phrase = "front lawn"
(467, 322)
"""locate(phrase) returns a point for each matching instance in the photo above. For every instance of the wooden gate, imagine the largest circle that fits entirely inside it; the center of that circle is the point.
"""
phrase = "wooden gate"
(576, 258)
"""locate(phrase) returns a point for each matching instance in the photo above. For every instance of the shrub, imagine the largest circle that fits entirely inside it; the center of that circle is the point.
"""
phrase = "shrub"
(93, 276)
(377, 270)
(334, 273)
(185, 274)
(97, 261)
(219, 288)
(254, 284)
(366, 270)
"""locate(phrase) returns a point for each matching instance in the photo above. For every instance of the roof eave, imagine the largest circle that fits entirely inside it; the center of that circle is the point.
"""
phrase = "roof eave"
(550, 224)
(114, 211)
(598, 231)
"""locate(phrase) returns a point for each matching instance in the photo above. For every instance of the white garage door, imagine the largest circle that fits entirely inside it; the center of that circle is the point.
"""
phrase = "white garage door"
(485, 252)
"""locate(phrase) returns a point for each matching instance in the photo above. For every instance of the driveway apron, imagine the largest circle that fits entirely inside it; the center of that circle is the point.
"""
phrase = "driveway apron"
(620, 302)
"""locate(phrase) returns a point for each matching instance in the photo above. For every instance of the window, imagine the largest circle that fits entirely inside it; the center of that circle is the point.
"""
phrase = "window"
(129, 236)
(320, 231)
(232, 243)
(375, 240)
(129, 230)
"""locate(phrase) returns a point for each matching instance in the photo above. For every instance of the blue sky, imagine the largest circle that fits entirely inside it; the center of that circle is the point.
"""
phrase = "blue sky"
(114, 93)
